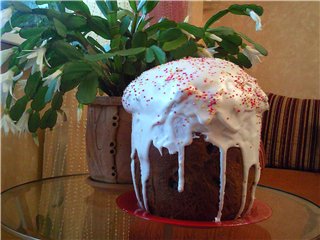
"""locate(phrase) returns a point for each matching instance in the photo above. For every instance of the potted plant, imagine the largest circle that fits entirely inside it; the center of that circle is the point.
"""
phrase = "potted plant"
(62, 56)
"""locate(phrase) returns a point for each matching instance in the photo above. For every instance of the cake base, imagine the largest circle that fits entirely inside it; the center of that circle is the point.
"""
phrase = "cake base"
(200, 199)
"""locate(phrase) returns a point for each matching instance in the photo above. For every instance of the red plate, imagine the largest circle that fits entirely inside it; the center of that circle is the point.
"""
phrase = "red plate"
(128, 203)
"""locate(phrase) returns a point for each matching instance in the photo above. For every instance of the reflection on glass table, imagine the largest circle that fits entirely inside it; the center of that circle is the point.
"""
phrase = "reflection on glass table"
(73, 207)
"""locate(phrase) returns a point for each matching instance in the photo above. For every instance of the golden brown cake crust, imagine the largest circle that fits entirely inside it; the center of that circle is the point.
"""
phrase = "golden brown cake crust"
(200, 198)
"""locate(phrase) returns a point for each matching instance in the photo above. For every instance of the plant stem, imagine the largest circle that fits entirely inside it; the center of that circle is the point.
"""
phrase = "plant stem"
(134, 23)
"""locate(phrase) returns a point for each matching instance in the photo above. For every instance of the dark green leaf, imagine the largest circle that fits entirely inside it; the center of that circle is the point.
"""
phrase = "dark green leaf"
(187, 49)
(159, 53)
(100, 26)
(234, 39)
(149, 6)
(87, 89)
(149, 55)
(133, 5)
(112, 5)
(161, 26)
(124, 24)
(77, 6)
(29, 32)
(103, 7)
(172, 45)
(34, 121)
(18, 108)
(196, 31)
(215, 18)
(139, 39)
(130, 51)
(66, 50)
(244, 60)
(93, 42)
(21, 7)
(221, 31)
(29, 44)
(229, 46)
(257, 46)
(129, 69)
(170, 35)
(73, 73)
(60, 27)
(75, 22)
(32, 85)
(242, 9)
(123, 13)
(100, 56)
(57, 101)
(38, 102)
(49, 119)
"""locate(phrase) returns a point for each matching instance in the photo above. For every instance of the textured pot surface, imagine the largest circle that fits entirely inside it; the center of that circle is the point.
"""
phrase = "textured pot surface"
(108, 141)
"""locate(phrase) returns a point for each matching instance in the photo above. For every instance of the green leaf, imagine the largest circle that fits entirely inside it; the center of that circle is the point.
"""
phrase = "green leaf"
(98, 57)
(172, 45)
(66, 50)
(149, 6)
(196, 31)
(234, 39)
(139, 39)
(244, 60)
(49, 119)
(103, 7)
(221, 31)
(159, 53)
(149, 55)
(170, 35)
(130, 51)
(77, 6)
(18, 108)
(215, 18)
(242, 9)
(230, 47)
(257, 46)
(133, 5)
(129, 69)
(74, 22)
(161, 26)
(125, 22)
(21, 7)
(141, 4)
(34, 121)
(32, 85)
(60, 27)
(100, 26)
(93, 42)
(87, 89)
(38, 102)
(29, 32)
(73, 72)
(187, 49)
(112, 5)
(57, 101)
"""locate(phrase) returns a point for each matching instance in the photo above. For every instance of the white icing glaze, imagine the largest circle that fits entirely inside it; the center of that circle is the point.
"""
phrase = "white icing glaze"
(210, 96)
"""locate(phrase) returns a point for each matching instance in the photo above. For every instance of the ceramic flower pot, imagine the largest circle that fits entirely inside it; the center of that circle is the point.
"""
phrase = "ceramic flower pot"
(108, 140)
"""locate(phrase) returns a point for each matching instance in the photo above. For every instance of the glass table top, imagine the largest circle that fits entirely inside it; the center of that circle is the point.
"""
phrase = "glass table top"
(74, 207)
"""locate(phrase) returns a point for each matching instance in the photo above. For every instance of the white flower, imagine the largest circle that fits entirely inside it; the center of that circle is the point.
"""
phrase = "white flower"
(255, 17)
(6, 82)
(53, 80)
(5, 16)
(214, 37)
(212, 50)
(35, 138)
(203, 52)
(189, 35)
(253, 54)
(35, 59)
(6, 54)
(79, 112)
(186, 20)
(22, 124)
(7, 124)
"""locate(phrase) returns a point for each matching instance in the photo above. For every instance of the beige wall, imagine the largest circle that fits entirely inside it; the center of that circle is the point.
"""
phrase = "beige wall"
(291, 35)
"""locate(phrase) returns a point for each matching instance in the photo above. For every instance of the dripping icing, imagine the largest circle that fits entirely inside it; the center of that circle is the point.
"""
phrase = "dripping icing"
(209, 96)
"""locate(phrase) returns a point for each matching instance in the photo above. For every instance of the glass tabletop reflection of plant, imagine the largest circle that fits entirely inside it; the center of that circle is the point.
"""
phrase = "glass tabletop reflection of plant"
(62, 56)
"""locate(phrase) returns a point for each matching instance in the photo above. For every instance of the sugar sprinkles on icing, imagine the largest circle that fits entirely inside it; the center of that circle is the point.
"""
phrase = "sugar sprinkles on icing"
(210, 96)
